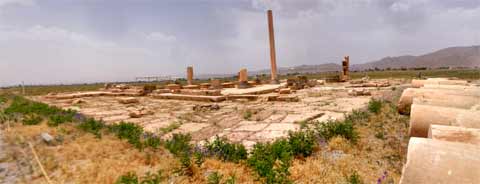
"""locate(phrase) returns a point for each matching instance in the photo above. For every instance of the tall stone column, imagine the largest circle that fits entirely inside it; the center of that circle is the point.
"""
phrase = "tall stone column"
(273, 60)
(189, 75)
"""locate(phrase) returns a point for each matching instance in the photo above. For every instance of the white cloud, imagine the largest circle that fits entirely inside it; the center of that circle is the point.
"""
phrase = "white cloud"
(159, 36)
(43, 54)
(17, 2)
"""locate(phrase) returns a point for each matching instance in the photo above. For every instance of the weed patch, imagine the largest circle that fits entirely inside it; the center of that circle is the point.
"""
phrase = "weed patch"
(272, 160)
(301, 143)
(129, 131)
(132, 178)
(226, 151)
(374, 105)
(32, 119)
(93, 126)
(214, 178)
(330, 129)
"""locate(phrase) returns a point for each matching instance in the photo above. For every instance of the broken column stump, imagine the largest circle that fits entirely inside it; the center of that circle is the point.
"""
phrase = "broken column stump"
(243, 79)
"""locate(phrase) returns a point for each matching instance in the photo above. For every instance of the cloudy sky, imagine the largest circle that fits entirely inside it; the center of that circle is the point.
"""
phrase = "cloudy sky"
(68, 41)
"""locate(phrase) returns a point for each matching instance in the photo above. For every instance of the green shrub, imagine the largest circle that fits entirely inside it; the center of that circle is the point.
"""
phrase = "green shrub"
(271, 161)
(375, 105)
(129, 131)
(132, 178)
(247, 114)
(330, 129)
(301, 143)
(152, 141)
(199, 158)
(93, 126)
(150, 178)
(214, 178)
(357, 115)
(32, 119)
(231, 180)
(186, 163)
(226, 151)
(179, 144)
(129, 178)
(22, 105)
(60, 118)
(354, 178)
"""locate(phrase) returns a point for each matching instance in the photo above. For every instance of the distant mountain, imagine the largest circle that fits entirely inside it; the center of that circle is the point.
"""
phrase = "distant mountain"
(450, 57)
(467, 57)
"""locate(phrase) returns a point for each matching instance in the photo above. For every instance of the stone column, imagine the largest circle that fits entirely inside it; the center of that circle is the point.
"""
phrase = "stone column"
(273, 60)
(345, 68)
(189, 75)
(243, 78)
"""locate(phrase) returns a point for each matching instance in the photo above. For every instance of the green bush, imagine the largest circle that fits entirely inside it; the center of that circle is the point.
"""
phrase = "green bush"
(22, 105)
(32, 119)
(199, 158)
(93, 126)
(214, 178)
(226, 151)
(354, 178)
(129, 131)
(132, 178)
(152, 141)
(231, 180)
(375, 106)
(247, 114)
(129, 178)
(301, 142)
(179, 144)
(60, 118)
(357, 115)
(272, 160)
(330, 129)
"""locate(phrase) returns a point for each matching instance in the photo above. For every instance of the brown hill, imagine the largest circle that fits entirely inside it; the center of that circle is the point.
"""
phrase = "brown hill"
(450, 57)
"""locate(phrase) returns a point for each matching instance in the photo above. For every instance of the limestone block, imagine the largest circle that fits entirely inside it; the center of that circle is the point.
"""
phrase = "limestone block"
(422, 116)
(129, 100)
(173, 86)
(454, 134)
(441, 162)
(409, 94)
(420, 83)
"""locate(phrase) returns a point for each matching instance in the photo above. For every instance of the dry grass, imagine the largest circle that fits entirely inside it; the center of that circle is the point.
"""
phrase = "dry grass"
(82, 158)
(370, 157)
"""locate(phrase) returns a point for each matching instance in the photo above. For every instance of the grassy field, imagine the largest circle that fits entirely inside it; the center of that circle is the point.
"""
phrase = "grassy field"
(468, 74)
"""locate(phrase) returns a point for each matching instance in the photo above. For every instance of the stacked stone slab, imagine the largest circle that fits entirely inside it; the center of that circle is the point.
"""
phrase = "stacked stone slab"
(445, 132)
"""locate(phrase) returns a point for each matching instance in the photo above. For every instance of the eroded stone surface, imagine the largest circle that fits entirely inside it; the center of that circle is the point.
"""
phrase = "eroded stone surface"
(269, 119)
